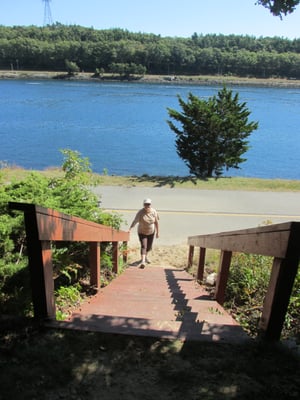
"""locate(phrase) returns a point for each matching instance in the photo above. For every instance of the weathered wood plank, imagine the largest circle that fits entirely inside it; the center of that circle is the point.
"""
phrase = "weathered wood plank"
(94, 260)
(269, 240)
(201, 264)
(57, 226)
(223, 274)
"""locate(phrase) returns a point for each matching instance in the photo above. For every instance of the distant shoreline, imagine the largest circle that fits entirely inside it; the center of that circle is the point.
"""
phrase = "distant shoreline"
(170, 79)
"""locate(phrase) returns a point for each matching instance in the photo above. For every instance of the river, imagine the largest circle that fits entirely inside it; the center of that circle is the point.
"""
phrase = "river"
(122, 128)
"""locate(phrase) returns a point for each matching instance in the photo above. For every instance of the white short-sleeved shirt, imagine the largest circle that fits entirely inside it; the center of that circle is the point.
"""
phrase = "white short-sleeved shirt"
(146, 221)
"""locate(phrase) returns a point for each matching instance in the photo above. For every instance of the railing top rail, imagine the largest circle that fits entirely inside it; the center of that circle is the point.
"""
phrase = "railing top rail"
(271, 240)
(55, 225)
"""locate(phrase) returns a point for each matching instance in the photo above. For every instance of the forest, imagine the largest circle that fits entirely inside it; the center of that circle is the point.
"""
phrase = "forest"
(91, 50)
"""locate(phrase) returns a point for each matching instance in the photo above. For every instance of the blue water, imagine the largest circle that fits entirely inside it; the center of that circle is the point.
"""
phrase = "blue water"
(121, 127)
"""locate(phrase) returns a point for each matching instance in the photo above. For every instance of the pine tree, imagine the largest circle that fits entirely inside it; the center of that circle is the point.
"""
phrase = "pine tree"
(213, 133)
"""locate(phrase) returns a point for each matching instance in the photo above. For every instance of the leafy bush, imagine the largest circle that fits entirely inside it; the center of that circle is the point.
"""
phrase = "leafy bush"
(69, 194)
(246, 288)
(66, 298)
(292, 320)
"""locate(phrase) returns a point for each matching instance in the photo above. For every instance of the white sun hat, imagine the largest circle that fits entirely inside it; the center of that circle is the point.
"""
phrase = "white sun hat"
(147, 201)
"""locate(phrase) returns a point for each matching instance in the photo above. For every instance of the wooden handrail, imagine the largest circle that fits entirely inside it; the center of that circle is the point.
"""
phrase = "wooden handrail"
(44, 225)
(280, 241)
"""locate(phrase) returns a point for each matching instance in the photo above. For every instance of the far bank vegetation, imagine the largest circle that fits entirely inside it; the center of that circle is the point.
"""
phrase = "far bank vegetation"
(125, 54)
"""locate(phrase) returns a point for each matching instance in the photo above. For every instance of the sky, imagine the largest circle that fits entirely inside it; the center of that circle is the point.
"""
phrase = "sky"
(175, 18)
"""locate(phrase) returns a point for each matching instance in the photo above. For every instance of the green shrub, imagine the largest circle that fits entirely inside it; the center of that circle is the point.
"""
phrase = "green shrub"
(15, 290)
(67, 297)
(292, 320)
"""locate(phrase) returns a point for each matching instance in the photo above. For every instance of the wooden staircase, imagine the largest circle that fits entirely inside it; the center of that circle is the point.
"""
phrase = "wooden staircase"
(157, 301)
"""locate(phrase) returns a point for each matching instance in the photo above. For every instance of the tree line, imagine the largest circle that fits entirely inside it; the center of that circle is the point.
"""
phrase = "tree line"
(91, 50)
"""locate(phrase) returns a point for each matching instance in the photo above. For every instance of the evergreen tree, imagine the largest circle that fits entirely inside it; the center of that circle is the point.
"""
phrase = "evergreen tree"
(213, 133)
(280, 7)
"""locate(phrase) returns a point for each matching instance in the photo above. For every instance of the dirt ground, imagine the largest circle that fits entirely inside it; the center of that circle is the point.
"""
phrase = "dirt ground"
(175, 256)
(56, 365)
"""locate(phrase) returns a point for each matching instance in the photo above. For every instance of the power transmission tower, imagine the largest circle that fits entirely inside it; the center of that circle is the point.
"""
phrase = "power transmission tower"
(47, 13)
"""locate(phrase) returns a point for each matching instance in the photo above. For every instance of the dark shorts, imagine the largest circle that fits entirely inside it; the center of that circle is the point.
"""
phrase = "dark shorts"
(146, 242)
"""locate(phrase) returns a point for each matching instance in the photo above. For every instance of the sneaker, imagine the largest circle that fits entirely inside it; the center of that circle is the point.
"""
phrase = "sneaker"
(148, 261)
(142, 265)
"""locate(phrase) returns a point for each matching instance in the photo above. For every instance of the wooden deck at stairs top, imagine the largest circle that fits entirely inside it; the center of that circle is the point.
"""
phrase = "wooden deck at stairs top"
(157, 301)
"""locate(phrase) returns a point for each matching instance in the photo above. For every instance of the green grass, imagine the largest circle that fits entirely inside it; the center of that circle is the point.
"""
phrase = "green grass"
(236, 183)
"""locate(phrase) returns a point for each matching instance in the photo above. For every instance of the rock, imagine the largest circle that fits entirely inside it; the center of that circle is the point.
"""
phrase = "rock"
(211, 279)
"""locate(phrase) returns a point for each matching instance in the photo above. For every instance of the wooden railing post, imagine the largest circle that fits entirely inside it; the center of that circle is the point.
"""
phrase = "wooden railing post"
(280, 287)
(191, 256)
(201, 264)
(115, 257)
(94, 260)
(277, 299)
(40, 269)
(125, 252)
(223, 274)
(48, 279)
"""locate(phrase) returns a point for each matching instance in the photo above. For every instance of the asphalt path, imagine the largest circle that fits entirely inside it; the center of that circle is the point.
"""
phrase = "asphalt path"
(189, 212)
